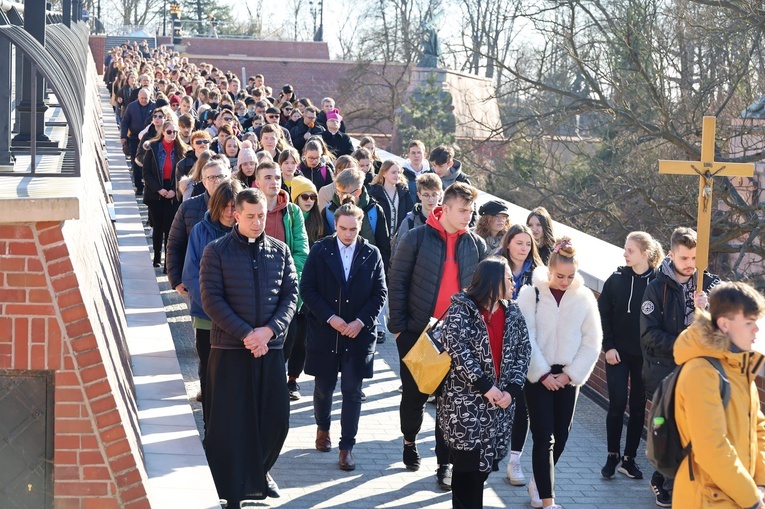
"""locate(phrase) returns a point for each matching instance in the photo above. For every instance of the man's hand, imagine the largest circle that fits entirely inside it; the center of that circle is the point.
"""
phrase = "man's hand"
(258, 338)
(353, 329)
(181, 289)
(170, 194)
(307, 134)
(612, 357)
(338, 324)
(700, 300)
(123, 141)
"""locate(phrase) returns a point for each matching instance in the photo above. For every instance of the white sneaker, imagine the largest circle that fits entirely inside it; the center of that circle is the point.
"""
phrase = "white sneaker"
(515, 472)
(536, 502)
(554, 506)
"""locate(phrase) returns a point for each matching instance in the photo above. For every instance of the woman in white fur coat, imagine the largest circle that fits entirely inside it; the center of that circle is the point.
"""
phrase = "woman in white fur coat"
(565, 335)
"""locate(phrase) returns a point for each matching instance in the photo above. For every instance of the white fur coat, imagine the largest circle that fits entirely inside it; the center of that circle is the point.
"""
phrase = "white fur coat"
(569, 334)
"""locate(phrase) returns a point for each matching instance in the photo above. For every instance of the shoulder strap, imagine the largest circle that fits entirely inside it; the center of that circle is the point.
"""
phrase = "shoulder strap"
(724, 383)
(373, 218)
(410, 219)
(330, 215)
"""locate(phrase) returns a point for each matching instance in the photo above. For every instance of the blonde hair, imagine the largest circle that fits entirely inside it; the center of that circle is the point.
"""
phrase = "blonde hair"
(649, 245)
(387, 165)
(563, 251)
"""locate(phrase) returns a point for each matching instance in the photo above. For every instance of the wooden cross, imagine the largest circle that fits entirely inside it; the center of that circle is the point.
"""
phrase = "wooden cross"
(706, 169)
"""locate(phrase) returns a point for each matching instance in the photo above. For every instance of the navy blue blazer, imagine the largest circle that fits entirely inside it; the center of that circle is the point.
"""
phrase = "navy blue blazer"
(325, 292)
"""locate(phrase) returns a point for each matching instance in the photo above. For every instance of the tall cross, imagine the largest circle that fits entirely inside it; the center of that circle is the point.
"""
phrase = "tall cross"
(706, 169)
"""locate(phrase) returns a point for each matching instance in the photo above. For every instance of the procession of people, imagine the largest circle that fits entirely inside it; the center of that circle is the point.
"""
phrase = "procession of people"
(300, 253)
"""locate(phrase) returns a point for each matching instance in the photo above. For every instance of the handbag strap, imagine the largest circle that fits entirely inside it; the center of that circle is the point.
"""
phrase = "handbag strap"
(440, 319)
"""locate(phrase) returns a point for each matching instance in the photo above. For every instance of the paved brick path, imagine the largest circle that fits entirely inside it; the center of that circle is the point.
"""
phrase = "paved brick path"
(309, 478)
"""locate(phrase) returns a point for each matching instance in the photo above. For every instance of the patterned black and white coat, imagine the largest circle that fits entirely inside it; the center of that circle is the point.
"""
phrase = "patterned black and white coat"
(467, 419)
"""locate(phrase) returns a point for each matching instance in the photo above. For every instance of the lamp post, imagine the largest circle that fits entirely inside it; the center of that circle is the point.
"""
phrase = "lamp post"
(317, 11)
(164, 18)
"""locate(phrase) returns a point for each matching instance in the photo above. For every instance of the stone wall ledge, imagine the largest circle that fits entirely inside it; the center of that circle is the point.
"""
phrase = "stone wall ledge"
(27, 199)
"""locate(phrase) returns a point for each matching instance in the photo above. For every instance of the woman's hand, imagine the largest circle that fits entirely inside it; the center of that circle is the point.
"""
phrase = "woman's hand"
(494, 395)
(170, 194)
(552, 383)
(506, 400)
(612, 357)
(563, 379)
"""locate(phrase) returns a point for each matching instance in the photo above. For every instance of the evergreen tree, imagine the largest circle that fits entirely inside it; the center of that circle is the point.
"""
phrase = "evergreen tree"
(428, 116)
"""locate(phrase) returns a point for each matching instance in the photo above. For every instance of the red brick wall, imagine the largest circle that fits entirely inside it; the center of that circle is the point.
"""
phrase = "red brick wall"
(61, 311)
(97, 45)
(253, 48)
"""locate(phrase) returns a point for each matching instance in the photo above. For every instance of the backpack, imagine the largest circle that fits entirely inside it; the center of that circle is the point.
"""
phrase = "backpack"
(371, 214)
(664, 448)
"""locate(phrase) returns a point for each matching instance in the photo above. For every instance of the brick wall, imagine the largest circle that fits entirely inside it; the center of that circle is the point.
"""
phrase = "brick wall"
(253, 47)
(97, 45)
(61, 311)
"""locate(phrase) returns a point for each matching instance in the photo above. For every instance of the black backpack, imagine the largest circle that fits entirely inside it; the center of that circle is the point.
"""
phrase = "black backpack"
(664, 449)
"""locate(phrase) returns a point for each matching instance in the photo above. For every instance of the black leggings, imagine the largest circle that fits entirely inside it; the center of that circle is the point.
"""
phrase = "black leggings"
(551, 414)
(467, 489)
(161, 214)
(520, 425)
(619, 376)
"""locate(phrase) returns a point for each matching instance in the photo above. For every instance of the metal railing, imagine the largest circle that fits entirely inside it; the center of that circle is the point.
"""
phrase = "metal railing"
(29, 69)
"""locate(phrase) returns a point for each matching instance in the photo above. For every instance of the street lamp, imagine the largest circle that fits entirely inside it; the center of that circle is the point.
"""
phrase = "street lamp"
(317, 11)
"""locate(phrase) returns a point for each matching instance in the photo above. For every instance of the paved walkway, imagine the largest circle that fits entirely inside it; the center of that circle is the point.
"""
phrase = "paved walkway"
(309, 478)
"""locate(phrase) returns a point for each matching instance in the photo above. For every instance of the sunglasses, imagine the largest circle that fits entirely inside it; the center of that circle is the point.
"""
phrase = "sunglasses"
(170, 132)
(158, 115)
(272, 116)
(307, 196)
(228, 119)
(287, 108)
(201, 142)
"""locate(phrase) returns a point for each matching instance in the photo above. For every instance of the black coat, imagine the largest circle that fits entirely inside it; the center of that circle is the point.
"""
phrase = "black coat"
(339, 143)
(298, 134)
(405, 204)
(415, 274)
(619, 305)
(247, 285)
(325, 293)
(321, 119)
(191, 212)
(315, 176)
(152, 171)
(662, 319)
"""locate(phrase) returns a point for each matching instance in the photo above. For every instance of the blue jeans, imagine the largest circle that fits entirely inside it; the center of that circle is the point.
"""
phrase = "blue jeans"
(350, 387)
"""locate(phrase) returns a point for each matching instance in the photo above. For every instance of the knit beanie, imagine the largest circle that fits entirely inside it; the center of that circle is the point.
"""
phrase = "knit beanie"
(246, 154)
(300, 185)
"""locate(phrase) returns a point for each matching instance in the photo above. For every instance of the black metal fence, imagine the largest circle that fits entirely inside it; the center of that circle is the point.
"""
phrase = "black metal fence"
(43, 66)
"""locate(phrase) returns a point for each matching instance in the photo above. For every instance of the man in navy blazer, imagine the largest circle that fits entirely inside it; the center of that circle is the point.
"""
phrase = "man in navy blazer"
(343, 287)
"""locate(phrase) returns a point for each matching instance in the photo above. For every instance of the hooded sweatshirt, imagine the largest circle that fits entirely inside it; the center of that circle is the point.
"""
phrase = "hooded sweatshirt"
(274, 223)
(450, 277)
(688, 288)
(728, 455)
(619, 305)
(454, 175)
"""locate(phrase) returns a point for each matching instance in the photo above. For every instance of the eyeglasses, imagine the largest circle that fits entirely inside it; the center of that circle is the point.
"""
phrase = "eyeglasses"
(347, 193)
(214, 178)
(309, 158)
(426, 196)
(158, 115)
(306, 197)
(201, 142)
(170, 132)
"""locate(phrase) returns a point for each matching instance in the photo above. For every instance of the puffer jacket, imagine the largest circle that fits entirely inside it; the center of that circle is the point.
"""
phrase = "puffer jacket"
(245, 285)
(569, 335)
(411, 177)
(662, 319)
(619, 305)
(188, 214)
(415, 274)
(468, 421)
(728, 454)
(202, 234)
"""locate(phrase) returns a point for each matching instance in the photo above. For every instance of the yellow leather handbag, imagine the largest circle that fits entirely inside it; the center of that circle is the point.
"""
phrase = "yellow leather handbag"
(427, 360)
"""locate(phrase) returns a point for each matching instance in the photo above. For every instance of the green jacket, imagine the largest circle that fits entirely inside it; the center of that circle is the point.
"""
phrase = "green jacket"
(296, 238)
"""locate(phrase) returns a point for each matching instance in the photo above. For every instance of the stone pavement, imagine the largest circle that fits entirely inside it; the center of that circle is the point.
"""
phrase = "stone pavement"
(309, 478)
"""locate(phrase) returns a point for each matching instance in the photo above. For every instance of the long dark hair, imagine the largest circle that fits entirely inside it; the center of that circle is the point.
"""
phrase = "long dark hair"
(546, 221)
(489, 282)
(533, 255)
(314, 223)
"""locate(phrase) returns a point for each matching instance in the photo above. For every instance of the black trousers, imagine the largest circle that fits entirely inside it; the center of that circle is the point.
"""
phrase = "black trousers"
(249, 410)
(203, 351)
(161, 213)
(551, 414)
(296, 357)
(520, 425)
(413, 401)
(467, 489)
(350, 387)
(137, 170)
(625, 383)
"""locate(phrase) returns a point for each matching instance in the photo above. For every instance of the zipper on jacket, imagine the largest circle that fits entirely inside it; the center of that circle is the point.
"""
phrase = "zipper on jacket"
(632, 288)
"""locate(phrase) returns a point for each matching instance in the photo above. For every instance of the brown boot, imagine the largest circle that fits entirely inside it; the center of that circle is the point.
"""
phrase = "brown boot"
(347, 461)
(323, 443)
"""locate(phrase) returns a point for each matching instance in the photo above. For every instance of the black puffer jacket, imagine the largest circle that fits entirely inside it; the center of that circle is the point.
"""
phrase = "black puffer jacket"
(415, 274)
(619, 305)
(184, 166)
(662, 319)
(191, 212)
(247, 285)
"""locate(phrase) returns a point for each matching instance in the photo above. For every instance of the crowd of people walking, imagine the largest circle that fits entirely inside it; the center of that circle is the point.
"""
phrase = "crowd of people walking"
(299, 252)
